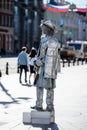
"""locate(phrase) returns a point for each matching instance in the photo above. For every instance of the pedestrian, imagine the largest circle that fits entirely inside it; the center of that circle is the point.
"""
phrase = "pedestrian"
(32, 58)
(48, 66)
(23, 63)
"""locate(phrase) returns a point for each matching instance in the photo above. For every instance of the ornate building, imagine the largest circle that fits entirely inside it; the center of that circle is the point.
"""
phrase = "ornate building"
(6, 26)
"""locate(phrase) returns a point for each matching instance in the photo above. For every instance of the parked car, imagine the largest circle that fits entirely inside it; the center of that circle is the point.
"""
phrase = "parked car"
(67, 53)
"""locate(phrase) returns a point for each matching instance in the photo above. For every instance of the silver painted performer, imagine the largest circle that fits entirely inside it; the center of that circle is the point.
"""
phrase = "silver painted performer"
(48, 64)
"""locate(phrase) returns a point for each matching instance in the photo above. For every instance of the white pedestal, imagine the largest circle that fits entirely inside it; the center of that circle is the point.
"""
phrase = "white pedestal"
(26, 117)
(38, 117)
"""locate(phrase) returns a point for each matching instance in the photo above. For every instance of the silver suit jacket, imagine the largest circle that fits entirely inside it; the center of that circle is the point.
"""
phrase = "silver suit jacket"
(49, 57)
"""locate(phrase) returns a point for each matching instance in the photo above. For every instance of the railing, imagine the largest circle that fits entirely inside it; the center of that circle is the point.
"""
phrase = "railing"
(9, 68)
(73, 62)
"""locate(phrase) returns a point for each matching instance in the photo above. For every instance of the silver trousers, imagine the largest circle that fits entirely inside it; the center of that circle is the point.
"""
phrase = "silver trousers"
(49, 97)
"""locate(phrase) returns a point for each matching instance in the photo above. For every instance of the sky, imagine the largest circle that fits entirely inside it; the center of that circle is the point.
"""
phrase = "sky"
(77, 2)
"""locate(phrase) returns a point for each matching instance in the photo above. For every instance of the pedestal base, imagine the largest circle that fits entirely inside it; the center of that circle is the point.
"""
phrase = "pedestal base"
(38, 117)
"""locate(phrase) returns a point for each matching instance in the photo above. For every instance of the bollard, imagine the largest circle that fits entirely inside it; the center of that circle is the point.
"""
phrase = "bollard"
(63, 62)
(0, 74)
(77, 62)
(86, 60)
(82, 60)
(74, 62)
(68, 62)
(7, 70)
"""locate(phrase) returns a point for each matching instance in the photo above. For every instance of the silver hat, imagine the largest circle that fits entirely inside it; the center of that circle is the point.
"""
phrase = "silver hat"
(49, 24)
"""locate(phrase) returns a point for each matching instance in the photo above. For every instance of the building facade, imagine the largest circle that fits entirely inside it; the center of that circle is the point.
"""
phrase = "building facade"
(20, 24)
(6, 26)
(27, 18)
(70, 25)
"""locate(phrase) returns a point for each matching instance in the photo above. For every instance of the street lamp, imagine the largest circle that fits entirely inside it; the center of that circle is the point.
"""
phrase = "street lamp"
(61, 30)
(72, 7)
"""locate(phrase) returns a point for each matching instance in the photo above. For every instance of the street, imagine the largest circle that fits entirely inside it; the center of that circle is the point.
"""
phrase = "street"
(70, 101)
(12, 64)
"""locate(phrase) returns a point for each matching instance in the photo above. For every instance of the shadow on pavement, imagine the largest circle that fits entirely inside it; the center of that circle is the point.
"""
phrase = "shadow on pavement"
(13, 100)
(26, 84)
(6, 92)
(52, 126)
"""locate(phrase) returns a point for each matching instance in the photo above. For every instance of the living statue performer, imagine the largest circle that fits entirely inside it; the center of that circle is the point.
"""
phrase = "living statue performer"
(48, 64)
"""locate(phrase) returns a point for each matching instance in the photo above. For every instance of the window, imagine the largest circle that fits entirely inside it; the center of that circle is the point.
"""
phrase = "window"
(7, 4)
(1, 3)
(8, 20)
(0, 19)
(77, 46)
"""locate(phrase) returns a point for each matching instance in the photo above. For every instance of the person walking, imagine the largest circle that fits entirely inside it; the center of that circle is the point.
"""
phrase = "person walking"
(32, 58)
(48, 65)
(23, 63)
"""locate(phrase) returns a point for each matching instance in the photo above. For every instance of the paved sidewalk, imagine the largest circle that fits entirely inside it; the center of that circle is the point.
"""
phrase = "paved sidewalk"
(70, 101)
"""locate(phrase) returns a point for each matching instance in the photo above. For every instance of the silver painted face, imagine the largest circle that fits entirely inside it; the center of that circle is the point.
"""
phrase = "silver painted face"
(44, 29)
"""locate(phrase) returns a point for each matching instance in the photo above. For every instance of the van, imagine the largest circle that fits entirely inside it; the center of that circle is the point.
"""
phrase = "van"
(80, 49)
